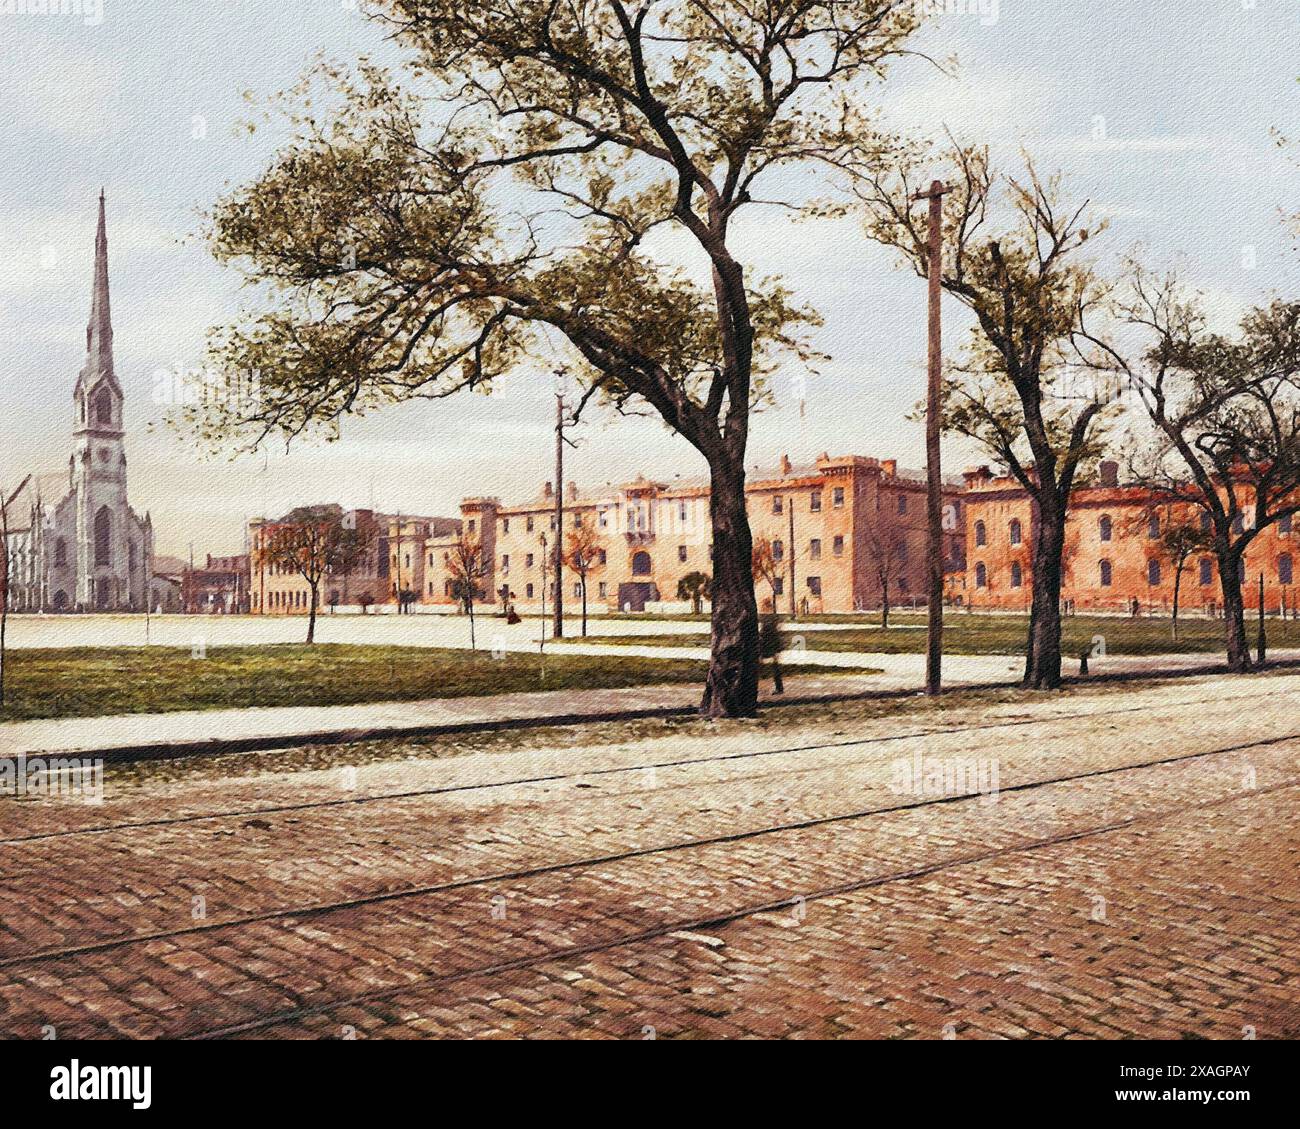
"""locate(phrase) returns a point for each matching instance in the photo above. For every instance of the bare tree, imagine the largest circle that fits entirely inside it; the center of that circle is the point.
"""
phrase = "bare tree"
(467, 565)
(1179, 538)
(425, 237)
(1224, 417)
(314, 542)
(886, 548)
(584, 553)
(1012, 256)
(767, 568)
(5, 577)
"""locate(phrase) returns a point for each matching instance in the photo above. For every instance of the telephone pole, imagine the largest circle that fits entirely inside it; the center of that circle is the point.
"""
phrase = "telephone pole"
(789, 501)
(933, 469)
(558, 632)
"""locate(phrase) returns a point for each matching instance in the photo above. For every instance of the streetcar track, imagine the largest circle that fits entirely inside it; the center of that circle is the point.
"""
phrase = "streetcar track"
(550, 778)
(319, 909)
(709, 922)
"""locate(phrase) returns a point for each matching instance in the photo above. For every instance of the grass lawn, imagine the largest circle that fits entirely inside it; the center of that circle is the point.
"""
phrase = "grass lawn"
(966, 634)
(90, 681)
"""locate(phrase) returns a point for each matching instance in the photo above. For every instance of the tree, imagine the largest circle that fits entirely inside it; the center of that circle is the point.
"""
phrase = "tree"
(1179, 540)
(1012, 257)
(6, 566)
(467, 565)
(885, 547)
(766, 567)
(584, 553)
(313, 542)
(423, 236)
(696, 587)
(1224, 415)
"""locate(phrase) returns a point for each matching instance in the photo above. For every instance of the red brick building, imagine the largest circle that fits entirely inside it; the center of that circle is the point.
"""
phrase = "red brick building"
(1115, 558)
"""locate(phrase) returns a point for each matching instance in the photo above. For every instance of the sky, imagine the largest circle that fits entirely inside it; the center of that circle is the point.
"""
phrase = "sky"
(1160, 114)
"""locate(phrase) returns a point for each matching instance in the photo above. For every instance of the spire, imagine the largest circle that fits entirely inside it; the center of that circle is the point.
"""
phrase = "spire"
(99, 332)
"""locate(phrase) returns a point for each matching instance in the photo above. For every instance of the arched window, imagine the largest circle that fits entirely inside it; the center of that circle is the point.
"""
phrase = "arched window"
(1207, 570)
(60, 552)
(641, 564)
(1153, 526)
(104, 407)
(1017, 575)
(981, 534)
(1153, 571)
(1206, 521)
(1284, 569)
(103, 536)
(1104, 527)
(981, 576)
(1015, 531)
(1105, 574)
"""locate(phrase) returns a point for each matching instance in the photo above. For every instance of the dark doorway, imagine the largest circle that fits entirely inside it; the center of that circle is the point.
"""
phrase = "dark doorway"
(633, 597)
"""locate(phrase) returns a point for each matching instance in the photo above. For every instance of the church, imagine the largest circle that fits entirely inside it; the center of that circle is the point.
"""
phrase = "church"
(90, 551)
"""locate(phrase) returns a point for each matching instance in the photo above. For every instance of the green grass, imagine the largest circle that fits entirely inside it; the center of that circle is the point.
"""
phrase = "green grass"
(966, 634)
(95, 681)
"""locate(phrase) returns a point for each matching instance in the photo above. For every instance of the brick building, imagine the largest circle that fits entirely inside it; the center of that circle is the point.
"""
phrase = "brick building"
(391, 564)
(833, 525)
(218, 587)
(1114, 559)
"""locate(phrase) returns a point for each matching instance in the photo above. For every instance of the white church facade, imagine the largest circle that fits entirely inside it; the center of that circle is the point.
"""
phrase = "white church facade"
(90, 551)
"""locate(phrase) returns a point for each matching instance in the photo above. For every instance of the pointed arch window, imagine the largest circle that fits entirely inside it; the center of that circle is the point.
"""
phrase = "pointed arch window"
(103, 536)
(60, 553)
(104, 407)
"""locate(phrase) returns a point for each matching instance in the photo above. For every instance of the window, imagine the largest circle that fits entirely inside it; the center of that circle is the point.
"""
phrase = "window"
(1284, 568)
(981, 533)
(528, 560)
(641, 563)
(902, 503)
(837, 546)
(1238, 523)
(552, 521)
(60, 552)
(981, 575)
(815, 585)
(1284, 525)
(1105, 574)
(814, 550)
(431, 562)
(528, 524)
(601, 590)
(1153, 572)
(505, 562)
(1153, 526)
(1207, 570)
(408, 560)
(528, 591)
(815, 501)
(778, 585)
(130, 557)
(777, 504)
(837, 497)
(681, 512)
(681, 553)
(1105, 527)
(1206, 521)
(1017, 575)
(577, 588)
(104, 407)
(472, 524)
(505, 525)
(103, 536)
(1015, 531)
(778, 550)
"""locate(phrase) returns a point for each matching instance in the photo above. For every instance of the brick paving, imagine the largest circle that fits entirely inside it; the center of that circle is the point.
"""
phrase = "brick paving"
(959, 918)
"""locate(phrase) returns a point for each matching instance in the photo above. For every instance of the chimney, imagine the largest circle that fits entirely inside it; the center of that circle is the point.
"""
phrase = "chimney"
(890, 467)
(785, 465)
(1109, 473)
(572, 491)
(548, 491)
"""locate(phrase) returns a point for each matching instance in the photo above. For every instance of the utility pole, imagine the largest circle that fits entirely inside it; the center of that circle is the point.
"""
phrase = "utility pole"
(933, 469)
(789, 501)
(541, 639)
(1263, 643)
(558, 631)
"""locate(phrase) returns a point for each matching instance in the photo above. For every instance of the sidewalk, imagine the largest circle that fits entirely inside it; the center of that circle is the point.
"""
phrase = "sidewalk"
(142, 736)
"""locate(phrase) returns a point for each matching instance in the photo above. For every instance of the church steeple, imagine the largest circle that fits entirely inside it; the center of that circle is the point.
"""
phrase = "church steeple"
(99, 331)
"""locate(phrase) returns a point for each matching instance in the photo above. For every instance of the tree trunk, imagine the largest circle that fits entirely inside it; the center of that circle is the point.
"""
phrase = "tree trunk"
(1234, 610)
(1178, 587)
(731, 686)
(1043, 653)
(311, 618)
(584, 605)
(884, 605)
(470, 606)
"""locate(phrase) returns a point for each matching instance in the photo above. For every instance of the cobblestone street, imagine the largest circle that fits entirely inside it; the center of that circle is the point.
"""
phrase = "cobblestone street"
(1128, 868)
